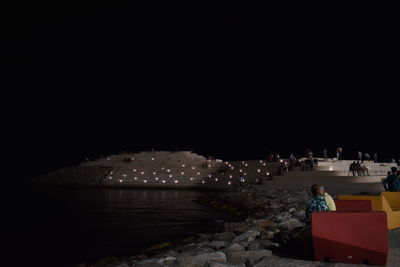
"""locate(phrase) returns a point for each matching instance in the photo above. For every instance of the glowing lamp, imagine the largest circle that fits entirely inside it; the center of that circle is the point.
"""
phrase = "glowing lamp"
(258, 170)
(134, 170)
(281, 160)
(110, 177)
(111, 172)
(330, 168)
(260, 161)
(230, 176)
(154, 173)
(245, 164)
(209, 175)
(108, 158)
(163, 181)
(176, 181)
(202, 182)
(191, 178)
(183, 166)
(244, 173)
(170, 176)
(209, 166)
(198, 173)
(267, 173)
(182, 173)
(264, 164)
(193, 168)
(156, 178)
(216, 179)
(152, 158)
(124, 175)
(120, 181)
(168, 170)
(135, 178)
(229, 183)
(240, 170)
(141, 173)
(145, 181)
(133, 158)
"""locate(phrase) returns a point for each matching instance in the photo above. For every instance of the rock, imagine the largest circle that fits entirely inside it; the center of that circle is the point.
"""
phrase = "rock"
(218, 264)
(291, 224)
(217, 245)
(203, 237)
(237, 228)
(267, 234)
(224, 236)
(253, 246)
(235, 247)
(201, 259)
(264, 223)
(265, 243)
(252, 256)
(247, 236)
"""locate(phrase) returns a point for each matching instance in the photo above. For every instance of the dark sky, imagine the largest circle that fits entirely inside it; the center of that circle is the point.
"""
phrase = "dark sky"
(227, 81)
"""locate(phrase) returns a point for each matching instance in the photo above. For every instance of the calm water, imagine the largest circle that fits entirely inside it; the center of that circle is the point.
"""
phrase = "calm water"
(72, 226)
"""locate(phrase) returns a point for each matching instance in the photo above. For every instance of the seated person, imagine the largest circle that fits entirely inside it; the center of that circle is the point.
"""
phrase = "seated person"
(318, 203)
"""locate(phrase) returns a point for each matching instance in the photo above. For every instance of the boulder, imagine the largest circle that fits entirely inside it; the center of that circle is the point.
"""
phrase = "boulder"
(218, 264)
(291, 224)
(264, 223)
(253, 246)
(252, 256)
(200, 260)
(247, 236)
(235, 247)
(237, 228)
(217, 245)
(224, 236)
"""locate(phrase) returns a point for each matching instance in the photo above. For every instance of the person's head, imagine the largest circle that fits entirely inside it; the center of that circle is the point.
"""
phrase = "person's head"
(394, 170)
(317, 190)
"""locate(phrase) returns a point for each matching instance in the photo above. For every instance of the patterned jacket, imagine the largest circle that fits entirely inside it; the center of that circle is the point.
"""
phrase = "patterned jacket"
(316, 204)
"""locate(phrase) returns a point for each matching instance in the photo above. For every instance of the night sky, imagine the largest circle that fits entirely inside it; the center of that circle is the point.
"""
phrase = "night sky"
(227, 81)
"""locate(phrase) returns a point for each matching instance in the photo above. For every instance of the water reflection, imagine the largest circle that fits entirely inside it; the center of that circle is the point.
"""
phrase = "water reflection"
(89, 224)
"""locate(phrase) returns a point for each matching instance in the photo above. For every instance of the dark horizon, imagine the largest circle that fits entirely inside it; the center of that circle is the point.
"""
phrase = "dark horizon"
(91, 79)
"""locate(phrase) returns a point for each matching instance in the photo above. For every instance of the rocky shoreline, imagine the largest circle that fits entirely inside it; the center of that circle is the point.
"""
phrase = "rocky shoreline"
(274, 226)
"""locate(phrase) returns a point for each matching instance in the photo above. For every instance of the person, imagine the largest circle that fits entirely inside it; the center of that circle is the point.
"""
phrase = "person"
(353, 168)
(317, 203)
(325, 154)
(339, 153)
(392, 182)
(359, 155)
(375, 157)
(364, 170)
(358, 168)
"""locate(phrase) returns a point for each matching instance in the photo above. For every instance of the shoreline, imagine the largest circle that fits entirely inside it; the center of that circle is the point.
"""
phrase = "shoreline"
(253, 239)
